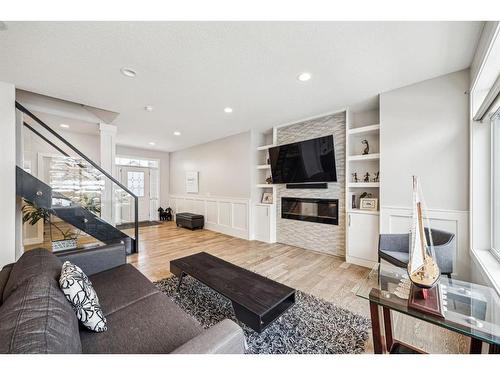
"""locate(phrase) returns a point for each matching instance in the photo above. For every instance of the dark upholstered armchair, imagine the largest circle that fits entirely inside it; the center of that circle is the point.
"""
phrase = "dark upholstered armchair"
(394, 248)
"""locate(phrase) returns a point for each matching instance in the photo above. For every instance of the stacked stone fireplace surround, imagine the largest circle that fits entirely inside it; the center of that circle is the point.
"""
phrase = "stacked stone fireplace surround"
(324, 238)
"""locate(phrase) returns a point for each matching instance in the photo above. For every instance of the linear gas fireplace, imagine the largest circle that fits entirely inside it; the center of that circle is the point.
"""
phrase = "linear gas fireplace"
(324, 211)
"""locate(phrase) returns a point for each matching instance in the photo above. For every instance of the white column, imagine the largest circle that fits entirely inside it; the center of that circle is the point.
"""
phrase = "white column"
(107, 154)
(8, 173)
(19, 200)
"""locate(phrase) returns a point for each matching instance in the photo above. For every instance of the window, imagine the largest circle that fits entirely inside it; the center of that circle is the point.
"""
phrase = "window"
(136, 162)
(135, 183)
(495, 184)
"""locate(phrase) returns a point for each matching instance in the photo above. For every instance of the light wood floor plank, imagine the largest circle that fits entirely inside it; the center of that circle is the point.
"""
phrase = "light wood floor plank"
(322, 275)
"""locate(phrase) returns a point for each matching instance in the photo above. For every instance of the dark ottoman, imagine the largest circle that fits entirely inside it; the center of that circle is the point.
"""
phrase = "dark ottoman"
(188, 220)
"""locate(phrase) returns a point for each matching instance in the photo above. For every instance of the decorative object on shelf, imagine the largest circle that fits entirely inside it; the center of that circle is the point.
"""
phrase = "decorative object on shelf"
(423, 270)
(365, 195)
(376, 178)
(353, 201)
(355, 177)
(191, 181)
(369, 204)
(367, 147)
(367, 177)
(267, 198)
(269, 180)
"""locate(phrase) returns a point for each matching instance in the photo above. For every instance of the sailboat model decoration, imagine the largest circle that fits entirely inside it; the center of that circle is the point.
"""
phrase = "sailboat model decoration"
(423, 271)
(422, 267)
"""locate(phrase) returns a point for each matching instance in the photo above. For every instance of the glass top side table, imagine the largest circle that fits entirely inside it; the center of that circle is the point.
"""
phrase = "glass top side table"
(470, 309)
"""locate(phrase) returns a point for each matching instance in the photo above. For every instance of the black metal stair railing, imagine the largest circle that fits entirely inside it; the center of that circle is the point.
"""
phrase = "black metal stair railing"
(41, 194)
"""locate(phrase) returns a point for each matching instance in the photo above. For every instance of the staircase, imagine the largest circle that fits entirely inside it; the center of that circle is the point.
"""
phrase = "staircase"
(82, 181)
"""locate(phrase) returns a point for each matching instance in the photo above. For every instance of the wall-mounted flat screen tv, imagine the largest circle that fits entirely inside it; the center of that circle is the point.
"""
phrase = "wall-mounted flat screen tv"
(307, 161)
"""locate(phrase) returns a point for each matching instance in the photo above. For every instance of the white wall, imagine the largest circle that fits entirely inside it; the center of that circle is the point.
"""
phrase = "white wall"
(7, 173)
(164, 167)
(224, 167)
(89, 144)
(424, 131)
(33, 145)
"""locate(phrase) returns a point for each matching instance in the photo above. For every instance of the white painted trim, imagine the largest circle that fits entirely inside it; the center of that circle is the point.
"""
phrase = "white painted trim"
(360, 261)
(375, 128)
(488, 37)
(8, 252)
(488, 265)
(152, 211)
(231, 229)
(432, 210)
(481, 239)
(40, 163)
(107, 156)
(137, 158)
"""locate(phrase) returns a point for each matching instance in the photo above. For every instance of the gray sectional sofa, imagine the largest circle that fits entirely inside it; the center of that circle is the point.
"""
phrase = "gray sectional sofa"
(35, 317)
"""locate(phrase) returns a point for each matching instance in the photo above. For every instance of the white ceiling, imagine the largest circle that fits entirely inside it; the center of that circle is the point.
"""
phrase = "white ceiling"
(190, 71)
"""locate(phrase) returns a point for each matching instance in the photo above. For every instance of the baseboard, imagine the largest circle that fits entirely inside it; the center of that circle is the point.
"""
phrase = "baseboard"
(360, 262)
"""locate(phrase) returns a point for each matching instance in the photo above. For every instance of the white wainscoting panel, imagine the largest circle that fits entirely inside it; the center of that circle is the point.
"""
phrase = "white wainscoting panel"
(212, 212)
(239, 216)
(397, 220)
(225, 215)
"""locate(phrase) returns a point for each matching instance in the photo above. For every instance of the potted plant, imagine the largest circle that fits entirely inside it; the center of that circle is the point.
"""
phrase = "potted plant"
(32, 214)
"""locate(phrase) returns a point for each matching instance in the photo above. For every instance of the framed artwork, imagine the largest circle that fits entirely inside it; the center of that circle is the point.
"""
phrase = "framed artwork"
(191, 181)
(369, 204)
(267, 198)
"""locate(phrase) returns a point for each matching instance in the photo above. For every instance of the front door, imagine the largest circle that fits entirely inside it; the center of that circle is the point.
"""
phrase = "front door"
(136, 179)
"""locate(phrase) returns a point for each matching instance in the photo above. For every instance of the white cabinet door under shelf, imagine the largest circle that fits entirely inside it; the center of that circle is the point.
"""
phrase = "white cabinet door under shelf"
(363, 231)
(262, 222)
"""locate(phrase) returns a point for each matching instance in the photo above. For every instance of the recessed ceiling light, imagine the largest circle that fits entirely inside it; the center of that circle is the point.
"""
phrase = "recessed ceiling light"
(177, 133)
(65, 126)
(128, 72)
(149, 108)
(303, 77)
(228, 110)
(151, 143)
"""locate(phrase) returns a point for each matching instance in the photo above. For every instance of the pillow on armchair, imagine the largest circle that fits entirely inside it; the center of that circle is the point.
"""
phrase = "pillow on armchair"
(81, 294)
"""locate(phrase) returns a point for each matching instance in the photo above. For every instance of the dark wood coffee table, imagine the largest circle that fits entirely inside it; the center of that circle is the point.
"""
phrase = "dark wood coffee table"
(257, 301)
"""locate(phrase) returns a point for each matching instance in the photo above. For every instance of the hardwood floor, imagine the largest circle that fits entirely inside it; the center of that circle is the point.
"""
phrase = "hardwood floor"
(322, 275)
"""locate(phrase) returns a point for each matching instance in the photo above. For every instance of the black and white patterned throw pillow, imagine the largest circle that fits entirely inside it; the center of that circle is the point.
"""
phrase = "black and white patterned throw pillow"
(79, 291)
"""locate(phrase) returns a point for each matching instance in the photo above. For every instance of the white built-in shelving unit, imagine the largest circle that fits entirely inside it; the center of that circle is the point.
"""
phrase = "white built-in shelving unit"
(264, 214)
(363, 157)
(362, 226)
(362, 185)
(264, 166)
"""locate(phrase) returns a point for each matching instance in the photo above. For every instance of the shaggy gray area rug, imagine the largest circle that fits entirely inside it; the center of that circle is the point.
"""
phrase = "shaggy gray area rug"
(310, 326)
